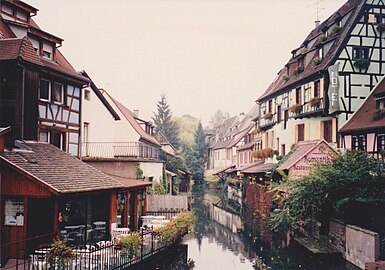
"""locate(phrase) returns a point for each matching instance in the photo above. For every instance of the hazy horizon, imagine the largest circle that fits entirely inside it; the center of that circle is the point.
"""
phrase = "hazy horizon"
(204, 55)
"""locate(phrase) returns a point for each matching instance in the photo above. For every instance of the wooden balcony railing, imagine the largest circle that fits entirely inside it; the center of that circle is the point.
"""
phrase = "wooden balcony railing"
(119, 149)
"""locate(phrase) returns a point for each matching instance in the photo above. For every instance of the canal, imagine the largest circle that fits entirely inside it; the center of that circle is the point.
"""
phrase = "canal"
(219, 242)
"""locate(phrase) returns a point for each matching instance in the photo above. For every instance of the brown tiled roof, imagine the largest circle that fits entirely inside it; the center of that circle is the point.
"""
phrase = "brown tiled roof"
(363, 119)
(18, 48)
(58, 170)
(129, 115)
(300, 151)
(336, 40)
(59, 64)
(130, 183)
(258, 168)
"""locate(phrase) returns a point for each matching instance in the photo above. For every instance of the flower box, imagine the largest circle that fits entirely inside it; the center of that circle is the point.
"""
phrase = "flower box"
(315, 102)
(361, 63)
(268, 116)
(295, 108)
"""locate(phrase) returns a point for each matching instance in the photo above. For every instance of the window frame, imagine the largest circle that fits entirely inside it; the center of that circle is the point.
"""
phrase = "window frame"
(48, 135)
(49, 90)
(61, 95)
(361, 52)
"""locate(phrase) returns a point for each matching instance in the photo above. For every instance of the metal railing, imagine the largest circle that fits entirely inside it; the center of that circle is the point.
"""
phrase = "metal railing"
(308, 109)
(168, 213)
(119, 149)
(106, 255)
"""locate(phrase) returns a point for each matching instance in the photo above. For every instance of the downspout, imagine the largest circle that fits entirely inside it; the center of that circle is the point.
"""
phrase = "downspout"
(22, 98)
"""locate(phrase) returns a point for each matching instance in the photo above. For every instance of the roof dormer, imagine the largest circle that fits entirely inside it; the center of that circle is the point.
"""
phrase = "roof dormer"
(17, 10)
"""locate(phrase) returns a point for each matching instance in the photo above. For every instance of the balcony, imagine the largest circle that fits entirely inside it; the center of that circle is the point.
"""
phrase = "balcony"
(267, 123)
(132, 150)
(309, 109)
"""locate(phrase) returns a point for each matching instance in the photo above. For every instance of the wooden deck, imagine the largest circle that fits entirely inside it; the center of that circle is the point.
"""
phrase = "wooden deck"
(317, 247)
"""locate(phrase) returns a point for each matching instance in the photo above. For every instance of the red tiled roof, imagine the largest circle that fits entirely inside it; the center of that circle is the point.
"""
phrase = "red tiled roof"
(130, 183)
(57, 170)
(18, 48)
(129, 115)
(336, 40)
(363, 118)
(59, 64)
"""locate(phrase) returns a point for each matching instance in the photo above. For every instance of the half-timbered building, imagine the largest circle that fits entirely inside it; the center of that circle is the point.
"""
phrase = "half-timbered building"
(40, 90)
(365, 130)
(327, 78)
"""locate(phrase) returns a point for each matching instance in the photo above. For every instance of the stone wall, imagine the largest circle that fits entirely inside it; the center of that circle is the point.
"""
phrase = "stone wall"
(362, 246)
(337, 235)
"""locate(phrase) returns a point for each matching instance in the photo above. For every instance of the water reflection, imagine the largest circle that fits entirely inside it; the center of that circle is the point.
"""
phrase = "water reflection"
(219, 242)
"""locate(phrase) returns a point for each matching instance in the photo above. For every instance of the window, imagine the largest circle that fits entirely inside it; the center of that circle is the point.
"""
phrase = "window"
(360, 53)
(47, 54)
(380, 103)
(300, 132)
(44, 136)
(45, 89)
(279, 114)
(87, 94)
(381, 142)
(270, 106)
(320, 53)
(380, 18)
(327, 131)
(317, 88)
(14, 212)
(58, 140)
(298, 96)
(86, 132)
(57, 93)
(359, 142)
(283, 149)
(285, 118)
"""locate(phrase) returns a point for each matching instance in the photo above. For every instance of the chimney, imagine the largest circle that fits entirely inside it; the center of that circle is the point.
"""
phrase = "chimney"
(317, 23)
(136, 113)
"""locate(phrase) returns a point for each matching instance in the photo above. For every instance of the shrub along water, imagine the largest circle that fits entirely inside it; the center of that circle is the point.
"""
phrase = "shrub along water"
(176, 228)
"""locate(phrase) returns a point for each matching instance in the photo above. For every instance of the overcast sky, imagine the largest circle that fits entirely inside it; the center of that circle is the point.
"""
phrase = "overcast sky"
(204, 55)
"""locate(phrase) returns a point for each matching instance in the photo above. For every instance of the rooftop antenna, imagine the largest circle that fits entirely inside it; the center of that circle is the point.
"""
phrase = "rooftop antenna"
(318, 20)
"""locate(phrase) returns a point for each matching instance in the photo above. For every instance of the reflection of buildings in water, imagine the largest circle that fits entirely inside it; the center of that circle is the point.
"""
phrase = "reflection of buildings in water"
(227, 219)
(224, 228)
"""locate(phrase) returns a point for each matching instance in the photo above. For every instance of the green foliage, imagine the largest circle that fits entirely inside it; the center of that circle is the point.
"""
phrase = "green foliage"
(378, 114)
(323, 38)
(187, 124)
(361, 63)
(163, 122)
(321, 194)
(285, 78)
(139, 172)
(177, 227)
(317, 61)
(219, 117)
(130, 244)
(157, 189)
(196, 157)
(59, 255)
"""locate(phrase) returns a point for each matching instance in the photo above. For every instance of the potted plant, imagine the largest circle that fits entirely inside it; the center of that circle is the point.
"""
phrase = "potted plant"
(298, 70)
(317, 61)
(276, 152)
(381, 27)
(315, 102)
(336, 29)
(361, 63)
(295, 108)
(59, 256)
(323, 38)
(378, 114)
(285, 78)
(268, 116)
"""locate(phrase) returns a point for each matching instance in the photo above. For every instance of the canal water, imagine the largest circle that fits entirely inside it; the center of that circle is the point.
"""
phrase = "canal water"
(218, 242)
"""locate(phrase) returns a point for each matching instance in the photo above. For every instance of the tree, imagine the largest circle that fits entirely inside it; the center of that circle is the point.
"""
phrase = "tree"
(219, 117)
(163, 122)
(322, 194)
(196, 157)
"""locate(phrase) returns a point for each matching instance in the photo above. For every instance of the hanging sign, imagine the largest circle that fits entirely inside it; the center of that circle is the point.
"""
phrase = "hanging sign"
(333, 91)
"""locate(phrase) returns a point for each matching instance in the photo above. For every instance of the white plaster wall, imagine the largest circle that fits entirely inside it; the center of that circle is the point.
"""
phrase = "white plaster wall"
(154, 169)
(103, 127)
